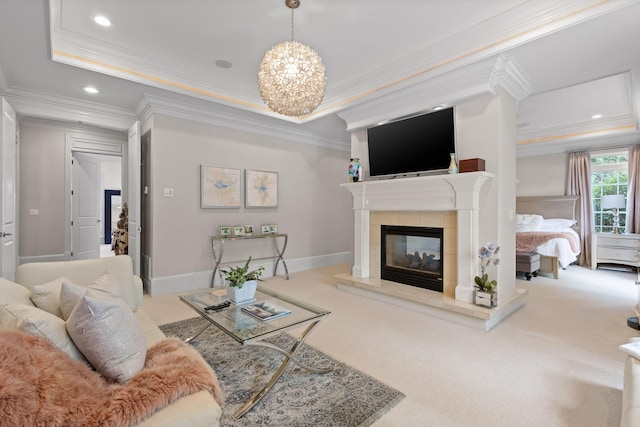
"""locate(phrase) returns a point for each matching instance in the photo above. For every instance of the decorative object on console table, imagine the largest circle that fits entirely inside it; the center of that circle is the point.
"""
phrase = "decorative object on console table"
(242, 282)
(453, 168)
(615, 202)
(471, 165)
(354, 169)
(485, 293)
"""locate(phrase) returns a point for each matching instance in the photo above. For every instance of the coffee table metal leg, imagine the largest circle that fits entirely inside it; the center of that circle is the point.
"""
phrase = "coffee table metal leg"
(289, 357)
(191, 338)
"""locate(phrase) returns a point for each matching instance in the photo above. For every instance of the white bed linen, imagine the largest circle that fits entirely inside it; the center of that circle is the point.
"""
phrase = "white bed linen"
(559, 247)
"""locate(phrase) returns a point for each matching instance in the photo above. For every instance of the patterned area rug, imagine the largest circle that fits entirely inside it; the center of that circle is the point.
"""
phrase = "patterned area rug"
(342, 397)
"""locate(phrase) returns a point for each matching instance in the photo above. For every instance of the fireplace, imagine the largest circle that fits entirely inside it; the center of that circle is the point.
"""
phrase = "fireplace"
(412, 255)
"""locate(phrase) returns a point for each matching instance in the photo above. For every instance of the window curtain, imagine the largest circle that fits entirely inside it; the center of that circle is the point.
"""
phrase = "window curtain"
(579, 184)
(633, 197)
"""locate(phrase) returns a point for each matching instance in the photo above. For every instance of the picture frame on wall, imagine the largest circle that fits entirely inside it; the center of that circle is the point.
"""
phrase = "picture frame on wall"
(225, 231)
(219, 187)
(261, 189)
(238, 230)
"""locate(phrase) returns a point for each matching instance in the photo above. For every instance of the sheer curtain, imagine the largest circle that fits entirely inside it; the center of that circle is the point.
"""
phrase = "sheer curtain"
(633, 197)
(579, 184)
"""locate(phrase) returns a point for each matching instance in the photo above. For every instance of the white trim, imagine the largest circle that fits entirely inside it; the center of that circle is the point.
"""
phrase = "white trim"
(200, 280)
(43, 258)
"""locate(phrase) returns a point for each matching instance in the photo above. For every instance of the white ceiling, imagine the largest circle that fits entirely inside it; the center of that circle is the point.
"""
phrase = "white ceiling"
(576, 58)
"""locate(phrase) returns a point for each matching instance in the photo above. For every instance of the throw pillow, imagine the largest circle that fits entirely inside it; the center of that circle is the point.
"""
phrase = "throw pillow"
(528, 222)
(107, 333)
(13, 292)
(47, 296)
(105, 285)
(34, 321)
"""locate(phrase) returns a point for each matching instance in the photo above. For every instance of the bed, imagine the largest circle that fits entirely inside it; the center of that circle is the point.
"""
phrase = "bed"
(555, 237)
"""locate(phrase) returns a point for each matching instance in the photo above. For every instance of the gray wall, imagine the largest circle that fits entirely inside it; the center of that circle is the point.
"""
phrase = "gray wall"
(541, 175)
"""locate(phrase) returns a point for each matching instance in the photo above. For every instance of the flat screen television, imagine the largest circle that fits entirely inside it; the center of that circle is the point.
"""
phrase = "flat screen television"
(413, 146)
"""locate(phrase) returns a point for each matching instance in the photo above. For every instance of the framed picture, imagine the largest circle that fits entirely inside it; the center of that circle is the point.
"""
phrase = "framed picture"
(273, 228)
(219, 187)
(225, 230)
(248, 229)
(238, 230)
(261, 189)
(266, 229)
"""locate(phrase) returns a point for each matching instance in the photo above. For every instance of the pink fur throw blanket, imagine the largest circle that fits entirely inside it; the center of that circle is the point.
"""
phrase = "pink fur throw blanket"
(40, 385)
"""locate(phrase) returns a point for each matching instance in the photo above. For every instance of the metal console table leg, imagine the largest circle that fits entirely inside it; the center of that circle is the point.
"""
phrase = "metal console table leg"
(280, 255)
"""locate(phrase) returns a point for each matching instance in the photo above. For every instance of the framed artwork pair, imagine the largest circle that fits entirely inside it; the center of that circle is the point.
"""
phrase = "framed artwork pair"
(221, 188)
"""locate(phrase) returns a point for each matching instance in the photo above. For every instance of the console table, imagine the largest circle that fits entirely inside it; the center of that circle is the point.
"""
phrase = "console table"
(217, 249)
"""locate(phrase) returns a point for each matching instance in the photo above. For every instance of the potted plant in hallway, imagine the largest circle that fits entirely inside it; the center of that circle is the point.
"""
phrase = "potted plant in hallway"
(242, 283)
(485, 293)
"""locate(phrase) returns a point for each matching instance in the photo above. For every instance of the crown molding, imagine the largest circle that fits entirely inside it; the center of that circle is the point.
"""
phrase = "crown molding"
(480, 78)
(208, 114)
(32, 104)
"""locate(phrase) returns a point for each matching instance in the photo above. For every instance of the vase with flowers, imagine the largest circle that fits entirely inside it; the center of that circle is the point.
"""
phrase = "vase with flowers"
(485, 289)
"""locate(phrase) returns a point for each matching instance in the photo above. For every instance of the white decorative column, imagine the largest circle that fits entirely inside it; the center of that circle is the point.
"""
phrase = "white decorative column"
(458, 192)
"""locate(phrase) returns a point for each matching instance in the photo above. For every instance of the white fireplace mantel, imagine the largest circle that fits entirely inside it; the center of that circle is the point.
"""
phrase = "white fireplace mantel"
(451, 192)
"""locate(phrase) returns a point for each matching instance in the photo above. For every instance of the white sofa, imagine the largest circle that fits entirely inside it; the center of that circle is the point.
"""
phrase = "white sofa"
(199, 409)
(631, 391)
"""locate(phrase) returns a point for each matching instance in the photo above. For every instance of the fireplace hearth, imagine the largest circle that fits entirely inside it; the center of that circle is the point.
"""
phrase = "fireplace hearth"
(412, 256)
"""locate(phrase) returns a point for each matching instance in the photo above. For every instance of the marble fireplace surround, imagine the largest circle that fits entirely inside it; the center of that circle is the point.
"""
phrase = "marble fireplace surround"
(448, 201)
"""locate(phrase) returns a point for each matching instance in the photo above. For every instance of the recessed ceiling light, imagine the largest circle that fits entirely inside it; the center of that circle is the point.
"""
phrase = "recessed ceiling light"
(90, 89)
(596, 116)
(438, 108)
(223, 63)
(102, 20)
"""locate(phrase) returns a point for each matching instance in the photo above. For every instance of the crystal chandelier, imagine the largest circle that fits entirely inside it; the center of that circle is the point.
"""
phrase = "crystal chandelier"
(291, 76)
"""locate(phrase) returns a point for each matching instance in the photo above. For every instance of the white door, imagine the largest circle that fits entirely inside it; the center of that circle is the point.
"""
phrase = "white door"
(85, 207)
(8, 191)
(133, 195)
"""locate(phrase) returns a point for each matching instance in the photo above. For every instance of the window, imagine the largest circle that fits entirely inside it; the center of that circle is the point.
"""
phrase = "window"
(609, 175)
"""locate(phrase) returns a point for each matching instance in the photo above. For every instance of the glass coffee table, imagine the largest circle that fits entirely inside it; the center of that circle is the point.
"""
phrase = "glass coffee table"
(248, 330)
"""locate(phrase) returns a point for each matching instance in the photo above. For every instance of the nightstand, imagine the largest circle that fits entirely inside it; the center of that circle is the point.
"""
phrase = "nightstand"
(611, 248)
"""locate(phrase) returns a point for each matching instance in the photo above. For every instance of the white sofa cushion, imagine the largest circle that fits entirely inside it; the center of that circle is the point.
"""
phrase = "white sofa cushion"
(81, 272)
(108, 334)
(47, 296)
(13, 292)
(34, 321)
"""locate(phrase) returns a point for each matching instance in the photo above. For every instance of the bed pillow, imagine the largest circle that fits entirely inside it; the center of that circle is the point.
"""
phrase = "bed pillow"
(107, 332)
(34, 321)
(528, 222)
(552, 223)
(47, 296)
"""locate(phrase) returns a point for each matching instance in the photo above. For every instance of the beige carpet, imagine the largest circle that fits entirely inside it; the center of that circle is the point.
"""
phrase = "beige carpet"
(555, 362)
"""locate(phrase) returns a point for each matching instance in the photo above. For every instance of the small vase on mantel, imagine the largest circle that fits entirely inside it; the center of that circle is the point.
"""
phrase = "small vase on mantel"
(354, 170)
(453, 167)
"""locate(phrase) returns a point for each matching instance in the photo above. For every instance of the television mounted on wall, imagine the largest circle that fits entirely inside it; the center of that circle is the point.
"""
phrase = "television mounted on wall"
(413, 146)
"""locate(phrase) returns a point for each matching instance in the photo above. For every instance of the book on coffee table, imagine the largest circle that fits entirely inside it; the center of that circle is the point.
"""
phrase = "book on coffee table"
(265, 310)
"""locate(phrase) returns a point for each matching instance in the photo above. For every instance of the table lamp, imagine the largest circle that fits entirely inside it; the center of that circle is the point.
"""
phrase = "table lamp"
(615, 202)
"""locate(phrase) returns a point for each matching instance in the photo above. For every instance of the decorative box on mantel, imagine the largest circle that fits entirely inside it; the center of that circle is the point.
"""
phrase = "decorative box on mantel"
(471, 165)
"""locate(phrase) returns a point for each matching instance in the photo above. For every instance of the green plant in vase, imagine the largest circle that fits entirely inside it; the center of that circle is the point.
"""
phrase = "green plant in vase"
(237, 276)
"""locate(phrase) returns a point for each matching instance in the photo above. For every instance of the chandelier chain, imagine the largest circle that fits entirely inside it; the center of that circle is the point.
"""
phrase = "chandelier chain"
(292, 30)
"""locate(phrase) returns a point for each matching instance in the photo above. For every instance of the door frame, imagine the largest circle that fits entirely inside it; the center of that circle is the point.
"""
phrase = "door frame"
(108, 194)
(85, 143)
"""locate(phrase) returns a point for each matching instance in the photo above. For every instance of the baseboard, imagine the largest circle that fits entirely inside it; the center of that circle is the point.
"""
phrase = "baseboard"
(43, 258)
(202, 279)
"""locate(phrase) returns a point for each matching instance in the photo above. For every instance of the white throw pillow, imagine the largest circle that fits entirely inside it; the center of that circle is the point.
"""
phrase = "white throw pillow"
(34, 321)
(553, 223)
(528, 222)
(106, 285)
(47, 296)
(107, 333)
(13, 292)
